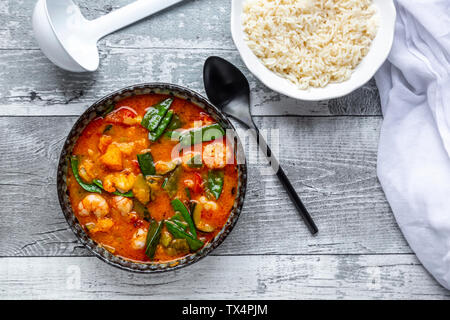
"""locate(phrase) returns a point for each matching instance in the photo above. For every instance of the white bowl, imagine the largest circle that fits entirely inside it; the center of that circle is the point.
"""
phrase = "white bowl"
(378, 53)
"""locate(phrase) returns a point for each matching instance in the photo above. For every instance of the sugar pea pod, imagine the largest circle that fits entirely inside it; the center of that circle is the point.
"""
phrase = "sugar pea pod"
(155, 114)
(171, 184)
(157, 118)
(177, 216)
(181, 224)
(203, 134)
(175, 123)
(173, 134)
(99, 183)
(86, 186)
(178, 220)
(146, 164)
(178, 206)
(215, 182)
(151, 112)
(153, 136)
(179, 233)
(153, 235)
(141, 210)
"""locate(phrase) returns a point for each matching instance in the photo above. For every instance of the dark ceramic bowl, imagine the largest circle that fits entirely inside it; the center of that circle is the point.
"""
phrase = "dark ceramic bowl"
(93, 112)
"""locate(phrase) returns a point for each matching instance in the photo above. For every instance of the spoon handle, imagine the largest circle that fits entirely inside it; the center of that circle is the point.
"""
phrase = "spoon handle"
(286, 183)
(128, 14)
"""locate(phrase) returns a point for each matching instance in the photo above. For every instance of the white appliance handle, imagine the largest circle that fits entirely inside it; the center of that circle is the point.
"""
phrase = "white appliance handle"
(127, 15)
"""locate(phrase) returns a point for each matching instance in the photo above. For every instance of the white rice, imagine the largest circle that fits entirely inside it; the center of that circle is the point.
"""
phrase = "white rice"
(310, 42)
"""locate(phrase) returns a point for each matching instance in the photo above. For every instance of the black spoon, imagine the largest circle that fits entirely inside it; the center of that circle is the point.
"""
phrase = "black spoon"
(229, 90)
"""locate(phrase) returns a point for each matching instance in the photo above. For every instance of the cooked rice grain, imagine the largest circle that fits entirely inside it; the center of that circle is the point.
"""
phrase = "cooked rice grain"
(310, 42)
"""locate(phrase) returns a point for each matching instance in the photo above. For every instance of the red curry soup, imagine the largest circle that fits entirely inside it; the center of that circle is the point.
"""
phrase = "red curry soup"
(153, 179)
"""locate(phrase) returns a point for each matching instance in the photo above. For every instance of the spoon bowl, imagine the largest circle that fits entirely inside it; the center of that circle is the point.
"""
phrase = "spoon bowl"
(228, 89)
(69, 40)
(225, 81)
(50, 26)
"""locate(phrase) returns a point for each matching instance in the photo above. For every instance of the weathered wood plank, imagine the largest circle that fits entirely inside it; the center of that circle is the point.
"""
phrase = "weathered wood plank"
(192, 24)
(330, 161)
(233, 277)
(41, 86)
(141, 53)
(364, 101)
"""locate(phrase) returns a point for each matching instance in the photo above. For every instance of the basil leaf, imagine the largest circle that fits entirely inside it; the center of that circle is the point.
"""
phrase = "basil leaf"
(215, 182)
(128, 194)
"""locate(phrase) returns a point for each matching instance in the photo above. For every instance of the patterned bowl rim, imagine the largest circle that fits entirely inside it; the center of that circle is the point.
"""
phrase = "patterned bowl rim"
(92, 112)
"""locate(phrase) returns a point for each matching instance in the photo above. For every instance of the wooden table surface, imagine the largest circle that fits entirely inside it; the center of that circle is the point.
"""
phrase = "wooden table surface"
(329, 151)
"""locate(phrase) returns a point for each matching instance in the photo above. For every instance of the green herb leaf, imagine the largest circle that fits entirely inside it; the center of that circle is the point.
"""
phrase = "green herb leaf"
(153, 236)
(179, 233)
(178, 206)
(153, 136)
(175, 123)
(203, 134)
(128, 194)
(148, 115)
(215, 182)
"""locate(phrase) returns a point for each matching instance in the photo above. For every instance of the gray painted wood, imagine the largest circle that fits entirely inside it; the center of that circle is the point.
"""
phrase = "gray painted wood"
(196, 24)
(359, 252)
(141, 53)
(330, 161)
(230, 277)
(43, 85)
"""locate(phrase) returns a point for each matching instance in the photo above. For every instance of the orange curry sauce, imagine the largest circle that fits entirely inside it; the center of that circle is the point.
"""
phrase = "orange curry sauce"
(119, 228)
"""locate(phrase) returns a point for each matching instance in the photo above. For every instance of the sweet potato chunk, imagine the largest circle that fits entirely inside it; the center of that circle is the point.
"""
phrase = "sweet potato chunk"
(104, 142)
(112, 158)
(102, 225)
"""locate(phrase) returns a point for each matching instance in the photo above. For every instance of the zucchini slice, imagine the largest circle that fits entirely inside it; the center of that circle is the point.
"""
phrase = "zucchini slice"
(200, 224)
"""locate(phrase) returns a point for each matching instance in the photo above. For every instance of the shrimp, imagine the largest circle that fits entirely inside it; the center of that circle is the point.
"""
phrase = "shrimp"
(139, 238)
(208, 204)
(122, 204)
(122, 181)
(93, 203)
(192, 160)
(87, 170)
(215, 155)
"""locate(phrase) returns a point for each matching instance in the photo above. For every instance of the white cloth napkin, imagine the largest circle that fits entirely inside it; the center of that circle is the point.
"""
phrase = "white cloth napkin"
(414, 147)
